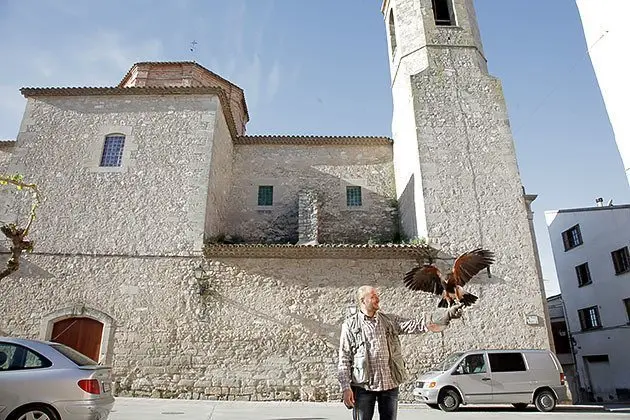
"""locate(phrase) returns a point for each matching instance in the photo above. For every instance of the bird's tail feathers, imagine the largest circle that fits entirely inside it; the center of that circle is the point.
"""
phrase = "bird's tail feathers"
(468, 299)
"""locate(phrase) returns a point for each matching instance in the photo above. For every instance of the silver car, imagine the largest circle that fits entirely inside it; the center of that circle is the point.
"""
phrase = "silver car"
(49, 381)
(517, 377)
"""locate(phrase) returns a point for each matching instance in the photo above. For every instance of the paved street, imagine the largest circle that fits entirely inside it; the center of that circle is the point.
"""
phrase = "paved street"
(145, 409)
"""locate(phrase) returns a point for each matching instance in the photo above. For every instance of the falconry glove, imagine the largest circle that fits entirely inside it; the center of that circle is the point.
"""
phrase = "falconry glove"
(456, 311)
(442, 316)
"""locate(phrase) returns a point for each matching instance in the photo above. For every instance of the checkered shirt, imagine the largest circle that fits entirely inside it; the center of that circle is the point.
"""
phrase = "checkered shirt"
(377, 350)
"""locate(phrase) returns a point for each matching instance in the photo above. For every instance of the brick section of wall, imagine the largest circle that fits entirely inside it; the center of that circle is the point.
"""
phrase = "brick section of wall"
(326, 170)
(162, 74)
(155, 206)
(265, 329)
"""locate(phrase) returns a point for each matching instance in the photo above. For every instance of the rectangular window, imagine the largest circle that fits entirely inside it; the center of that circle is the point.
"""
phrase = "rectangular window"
(572, 237)
(265, 195)
(589, 318)
(583, 274)
(626, 302)
(353, 196)
(113, 150)
(443, 12)
(621, 260)
(506, 362)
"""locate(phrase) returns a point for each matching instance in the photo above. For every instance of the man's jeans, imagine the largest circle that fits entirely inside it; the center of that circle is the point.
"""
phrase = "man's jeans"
(364, 404)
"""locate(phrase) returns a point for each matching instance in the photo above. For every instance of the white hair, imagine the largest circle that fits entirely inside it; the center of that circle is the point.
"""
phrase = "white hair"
(362, 292)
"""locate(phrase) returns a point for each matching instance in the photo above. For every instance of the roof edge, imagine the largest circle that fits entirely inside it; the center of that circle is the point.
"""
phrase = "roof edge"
(583, 209)
(321, 251)
(29, 92)
(314, 140)
(194, 63)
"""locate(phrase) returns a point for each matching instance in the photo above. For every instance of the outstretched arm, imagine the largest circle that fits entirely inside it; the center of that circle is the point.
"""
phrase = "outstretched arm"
(438, 322)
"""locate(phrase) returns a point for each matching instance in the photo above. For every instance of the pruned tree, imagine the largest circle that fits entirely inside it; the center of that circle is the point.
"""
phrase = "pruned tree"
(15, 232)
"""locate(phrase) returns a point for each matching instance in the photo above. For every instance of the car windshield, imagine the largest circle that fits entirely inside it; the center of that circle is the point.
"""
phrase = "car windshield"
(72, 354)
(448, 362)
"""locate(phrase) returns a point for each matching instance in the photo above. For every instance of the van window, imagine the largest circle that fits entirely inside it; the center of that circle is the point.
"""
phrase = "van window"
(506, 362)
(473, 363)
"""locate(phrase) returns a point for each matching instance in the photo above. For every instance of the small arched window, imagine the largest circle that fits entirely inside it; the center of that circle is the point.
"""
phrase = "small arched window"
(113, 150)
(392, 33)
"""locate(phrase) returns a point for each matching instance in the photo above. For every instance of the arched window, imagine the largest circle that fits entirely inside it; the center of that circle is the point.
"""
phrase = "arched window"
(113, 150)
(392, 32)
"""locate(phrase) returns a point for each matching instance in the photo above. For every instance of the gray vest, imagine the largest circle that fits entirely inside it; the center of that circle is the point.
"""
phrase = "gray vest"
(360, 363)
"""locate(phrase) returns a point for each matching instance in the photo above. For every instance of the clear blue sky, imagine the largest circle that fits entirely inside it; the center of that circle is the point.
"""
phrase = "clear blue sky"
(320, 67)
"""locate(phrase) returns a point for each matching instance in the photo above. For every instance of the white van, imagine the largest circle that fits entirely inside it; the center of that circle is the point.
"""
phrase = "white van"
(517, 377)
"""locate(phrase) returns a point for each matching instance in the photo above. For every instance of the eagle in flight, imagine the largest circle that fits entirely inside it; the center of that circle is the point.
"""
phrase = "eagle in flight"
(428, 278)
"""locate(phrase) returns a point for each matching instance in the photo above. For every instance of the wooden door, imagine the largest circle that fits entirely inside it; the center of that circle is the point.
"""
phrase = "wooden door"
(82, 334)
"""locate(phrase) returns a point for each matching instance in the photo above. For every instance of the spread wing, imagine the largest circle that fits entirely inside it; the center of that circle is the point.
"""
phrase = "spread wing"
(469, 264)
(425, 278)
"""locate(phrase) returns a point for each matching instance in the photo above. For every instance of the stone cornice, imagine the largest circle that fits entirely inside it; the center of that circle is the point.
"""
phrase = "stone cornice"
(28, 92)
(321, 251)
(315, 140)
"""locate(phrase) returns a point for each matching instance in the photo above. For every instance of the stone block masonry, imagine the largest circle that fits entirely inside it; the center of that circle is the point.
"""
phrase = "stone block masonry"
(266, 329)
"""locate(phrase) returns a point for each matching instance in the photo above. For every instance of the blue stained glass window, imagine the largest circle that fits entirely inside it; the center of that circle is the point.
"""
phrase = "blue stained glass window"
(353, 196)
(113, 150)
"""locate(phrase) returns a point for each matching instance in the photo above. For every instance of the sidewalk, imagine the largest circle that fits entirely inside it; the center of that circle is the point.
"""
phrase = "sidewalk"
(152, 409)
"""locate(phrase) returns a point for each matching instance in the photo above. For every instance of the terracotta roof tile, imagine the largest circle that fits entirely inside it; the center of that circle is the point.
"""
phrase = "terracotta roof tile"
(141, 63)
(124, 79)
(314, 140)
(333, 251)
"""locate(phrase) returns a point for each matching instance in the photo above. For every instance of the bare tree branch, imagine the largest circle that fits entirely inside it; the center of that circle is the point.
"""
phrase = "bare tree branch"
(15, 233)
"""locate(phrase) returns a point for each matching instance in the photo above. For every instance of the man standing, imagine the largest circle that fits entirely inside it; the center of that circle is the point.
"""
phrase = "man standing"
(371, 366)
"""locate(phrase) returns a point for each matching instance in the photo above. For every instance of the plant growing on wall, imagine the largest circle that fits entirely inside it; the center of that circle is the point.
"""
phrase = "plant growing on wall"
(15, 232)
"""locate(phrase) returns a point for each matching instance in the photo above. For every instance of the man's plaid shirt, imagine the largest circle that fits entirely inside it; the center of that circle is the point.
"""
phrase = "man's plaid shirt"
(374, 330)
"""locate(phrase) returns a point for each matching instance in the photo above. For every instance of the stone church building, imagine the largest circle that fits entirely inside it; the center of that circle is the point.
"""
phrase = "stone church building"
(202, 262)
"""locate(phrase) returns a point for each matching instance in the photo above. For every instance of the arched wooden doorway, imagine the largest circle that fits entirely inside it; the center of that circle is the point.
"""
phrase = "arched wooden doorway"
(80, 333)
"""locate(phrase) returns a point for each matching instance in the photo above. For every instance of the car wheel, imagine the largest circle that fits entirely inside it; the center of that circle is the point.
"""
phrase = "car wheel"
(520, 406)
(449, 400)
(434, 406)
(545, 401)
(35, 412)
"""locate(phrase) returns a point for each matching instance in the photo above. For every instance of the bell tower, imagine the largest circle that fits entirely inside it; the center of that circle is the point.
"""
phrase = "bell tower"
(457, 178)
(456, 173)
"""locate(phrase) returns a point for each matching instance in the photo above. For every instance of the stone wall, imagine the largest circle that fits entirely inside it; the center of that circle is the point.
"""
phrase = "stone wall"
(473, 194)
(220, 178)
(327, 170)
(153, 204)
(265, 329)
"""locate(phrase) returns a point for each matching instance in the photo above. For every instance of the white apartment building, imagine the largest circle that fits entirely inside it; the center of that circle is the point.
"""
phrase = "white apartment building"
(590, 248)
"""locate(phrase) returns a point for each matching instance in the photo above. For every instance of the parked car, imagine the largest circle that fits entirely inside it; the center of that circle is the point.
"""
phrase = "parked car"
(50, 381)
(517, 377)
